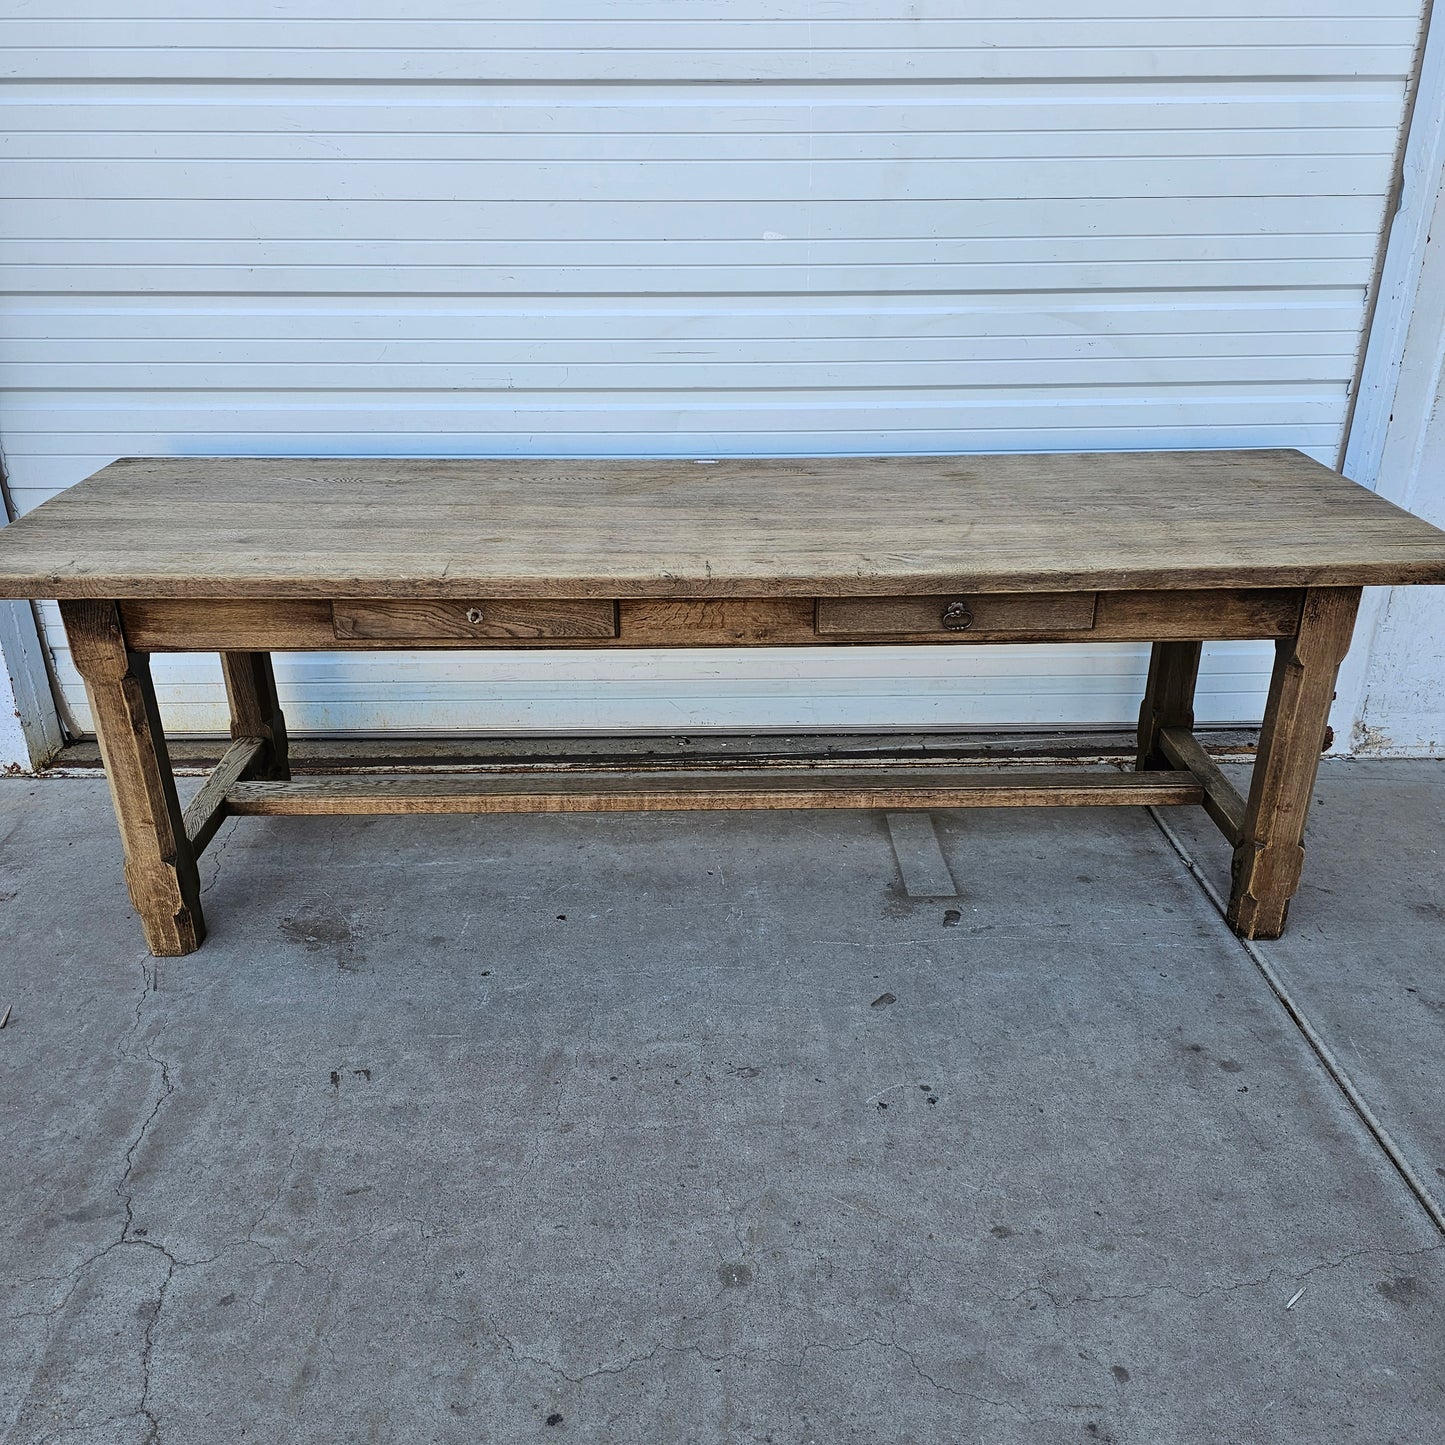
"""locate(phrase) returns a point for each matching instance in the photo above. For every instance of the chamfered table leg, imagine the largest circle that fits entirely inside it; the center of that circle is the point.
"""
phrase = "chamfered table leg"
(1168, 698)
(160, 864)
(1270, 855)
(256, 711)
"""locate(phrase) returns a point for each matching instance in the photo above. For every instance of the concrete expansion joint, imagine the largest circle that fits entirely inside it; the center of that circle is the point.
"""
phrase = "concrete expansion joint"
(1333, 1067)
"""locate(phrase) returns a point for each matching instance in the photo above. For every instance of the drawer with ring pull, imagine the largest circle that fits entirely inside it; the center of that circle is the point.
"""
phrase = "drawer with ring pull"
(443, 619)
(958, 617)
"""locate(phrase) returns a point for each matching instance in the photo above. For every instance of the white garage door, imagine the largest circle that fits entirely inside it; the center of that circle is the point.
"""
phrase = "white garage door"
(639, 227)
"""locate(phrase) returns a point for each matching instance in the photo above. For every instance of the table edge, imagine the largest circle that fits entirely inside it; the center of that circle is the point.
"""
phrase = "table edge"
(1425, 572)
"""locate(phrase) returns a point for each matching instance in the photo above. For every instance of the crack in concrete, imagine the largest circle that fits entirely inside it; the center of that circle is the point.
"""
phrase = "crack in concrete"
(167, 1089)
(60, 1432)
(275, 1198)
(149, 980)
(661, 1347)
(219, 844)
(129, 1236)
(153, 1435)
(150, 985)
(1222, 1287)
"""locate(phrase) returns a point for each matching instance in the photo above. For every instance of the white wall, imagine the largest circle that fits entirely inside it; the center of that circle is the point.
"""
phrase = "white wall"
(29, 728)
(1391, 696)
(632, 227)
(14, 753)
(1401, 710)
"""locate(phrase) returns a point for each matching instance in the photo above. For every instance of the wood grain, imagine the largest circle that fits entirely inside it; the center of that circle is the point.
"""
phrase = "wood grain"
(978, 614)
(420, 621)
(1168, 698)
(1222, 800)
(160, 863)
(256, 710)
(207, 809)
(1269, 856)
(719, 622)
(623, 792)
(298, 625)
(821, 527)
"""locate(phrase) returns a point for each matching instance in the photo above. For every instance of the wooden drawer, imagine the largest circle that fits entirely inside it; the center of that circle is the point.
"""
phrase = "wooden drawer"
(960, 615)
(449, 621)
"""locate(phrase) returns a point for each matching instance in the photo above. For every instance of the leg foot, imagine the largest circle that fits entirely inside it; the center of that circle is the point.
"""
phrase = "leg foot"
(1270, 854)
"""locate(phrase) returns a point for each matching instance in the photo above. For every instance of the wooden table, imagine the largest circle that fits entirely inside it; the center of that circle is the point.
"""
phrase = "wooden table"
(247, 556)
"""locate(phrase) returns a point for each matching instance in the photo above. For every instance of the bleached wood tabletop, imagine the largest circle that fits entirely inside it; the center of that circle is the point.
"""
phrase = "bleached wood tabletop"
(247, 556)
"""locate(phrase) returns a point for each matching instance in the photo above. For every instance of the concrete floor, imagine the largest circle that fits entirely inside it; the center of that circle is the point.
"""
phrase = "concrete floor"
(684, 1128)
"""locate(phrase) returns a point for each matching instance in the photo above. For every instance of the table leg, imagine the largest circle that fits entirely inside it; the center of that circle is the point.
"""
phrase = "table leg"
(256, 712)
(1168, 698)
(160, 864)
(1270, 855)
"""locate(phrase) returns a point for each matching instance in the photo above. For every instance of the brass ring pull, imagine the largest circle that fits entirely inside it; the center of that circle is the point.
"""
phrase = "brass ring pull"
(956, 617)
(476, 616)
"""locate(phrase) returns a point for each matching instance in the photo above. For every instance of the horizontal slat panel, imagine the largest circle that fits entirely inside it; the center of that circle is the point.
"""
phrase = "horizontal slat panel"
(506, 277)
(1319, 440)
(667, 48)
(671, 374)
(1145, 227)
(693, 341)
(285, 414)
(186, 119)
(205, 64)
(748, 219)
(708, 11)
(426, 328)
(450, 193)
(666, 31)
(724, 146)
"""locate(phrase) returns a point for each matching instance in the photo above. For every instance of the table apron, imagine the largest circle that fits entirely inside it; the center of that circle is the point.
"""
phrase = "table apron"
(305, 625)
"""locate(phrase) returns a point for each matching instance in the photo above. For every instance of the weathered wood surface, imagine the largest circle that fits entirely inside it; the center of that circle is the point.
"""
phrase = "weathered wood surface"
(1168, 698)
(1269, 856)
(408, 621)
(623, 792)
(176, 625)
(957, 612)
(160, 863)
(207, 809)
(850, 527)
(1222, 800)
(256, 710)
